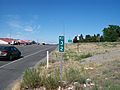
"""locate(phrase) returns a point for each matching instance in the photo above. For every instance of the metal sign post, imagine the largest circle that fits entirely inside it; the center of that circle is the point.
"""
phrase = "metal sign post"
(61, 50)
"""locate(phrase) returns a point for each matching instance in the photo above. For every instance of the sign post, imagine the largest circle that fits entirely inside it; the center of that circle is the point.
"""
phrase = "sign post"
(61, 50)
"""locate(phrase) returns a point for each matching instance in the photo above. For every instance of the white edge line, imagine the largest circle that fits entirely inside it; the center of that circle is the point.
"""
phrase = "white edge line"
(23, 58)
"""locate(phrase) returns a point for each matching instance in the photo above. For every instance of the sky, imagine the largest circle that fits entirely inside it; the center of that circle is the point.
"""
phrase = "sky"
(46, 20)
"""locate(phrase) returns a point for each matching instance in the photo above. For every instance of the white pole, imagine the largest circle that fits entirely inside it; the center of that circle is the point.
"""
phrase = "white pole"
(47, 59)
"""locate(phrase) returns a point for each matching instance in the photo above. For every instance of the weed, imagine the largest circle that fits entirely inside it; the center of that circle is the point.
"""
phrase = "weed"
(31, 79)
(80, 57)
(42, 64)
(85, 55)
(52, 61)
(52, 82)
(71, 55)
(110, 85)
(95, 87)
(72, 75)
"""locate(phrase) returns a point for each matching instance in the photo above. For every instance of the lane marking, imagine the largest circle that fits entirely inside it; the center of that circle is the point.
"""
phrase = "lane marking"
(25, 57)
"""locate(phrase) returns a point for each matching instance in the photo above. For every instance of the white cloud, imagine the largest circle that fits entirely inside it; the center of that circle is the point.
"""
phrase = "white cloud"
(29, 29)
(15, 25)
(36, 27)
(32, 28)
(21, 28)
(18, 34)
(15, 35)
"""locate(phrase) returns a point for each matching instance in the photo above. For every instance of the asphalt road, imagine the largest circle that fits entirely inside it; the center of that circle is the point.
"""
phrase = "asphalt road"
(12, 70)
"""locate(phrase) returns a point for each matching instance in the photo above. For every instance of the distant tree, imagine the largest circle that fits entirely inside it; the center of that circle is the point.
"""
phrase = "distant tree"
(98, 38)
(101, 39)
(87, 38)
(33, 42)
(112, 33)
(81, 39)
(93, 38)
(75, 40)
(98, 35)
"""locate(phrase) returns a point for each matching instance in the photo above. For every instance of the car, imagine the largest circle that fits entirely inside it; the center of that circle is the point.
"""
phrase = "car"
(43, 43)
(9, 53)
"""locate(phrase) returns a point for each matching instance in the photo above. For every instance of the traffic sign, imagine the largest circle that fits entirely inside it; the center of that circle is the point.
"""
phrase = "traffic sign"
(61, 43)
(69, 41)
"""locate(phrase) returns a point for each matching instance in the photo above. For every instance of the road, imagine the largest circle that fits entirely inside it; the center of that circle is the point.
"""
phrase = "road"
(12, 70)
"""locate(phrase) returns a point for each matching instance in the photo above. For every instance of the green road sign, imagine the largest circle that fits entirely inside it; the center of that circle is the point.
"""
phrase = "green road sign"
(69, 41)
(61, 43)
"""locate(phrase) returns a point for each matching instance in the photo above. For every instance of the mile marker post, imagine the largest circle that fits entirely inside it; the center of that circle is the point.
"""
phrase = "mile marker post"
(78, 38)
(61, 50)
(47, 59)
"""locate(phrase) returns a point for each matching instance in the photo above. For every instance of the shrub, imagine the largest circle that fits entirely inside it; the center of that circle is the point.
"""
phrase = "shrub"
(72, 75)
(69, 55)
(107, 85)
(85, 55)
(31, 79)
(80, 57)
(52, 82)
(111, 85)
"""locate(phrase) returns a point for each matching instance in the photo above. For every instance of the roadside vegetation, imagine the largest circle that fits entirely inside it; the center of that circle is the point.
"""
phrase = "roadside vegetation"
(75, 74)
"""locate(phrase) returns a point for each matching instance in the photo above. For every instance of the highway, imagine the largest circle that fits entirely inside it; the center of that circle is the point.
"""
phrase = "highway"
(12, 70)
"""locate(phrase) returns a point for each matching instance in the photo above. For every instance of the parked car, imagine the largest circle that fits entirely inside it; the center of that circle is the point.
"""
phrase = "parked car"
(9, 53)
(43, 43)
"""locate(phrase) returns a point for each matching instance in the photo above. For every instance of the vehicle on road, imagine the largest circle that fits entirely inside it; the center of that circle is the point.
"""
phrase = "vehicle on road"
(9, 53)
(43, 43)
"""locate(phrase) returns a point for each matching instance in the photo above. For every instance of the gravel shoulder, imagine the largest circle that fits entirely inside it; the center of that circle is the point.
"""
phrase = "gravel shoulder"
(101, 58)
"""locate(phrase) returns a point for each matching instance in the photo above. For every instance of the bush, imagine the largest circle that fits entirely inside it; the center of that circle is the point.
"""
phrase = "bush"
(52, 82)
(31, 79)
(69, 55)
(85, 55)
(107, 85)
(111, 85)
(79, 57)
(72, 75)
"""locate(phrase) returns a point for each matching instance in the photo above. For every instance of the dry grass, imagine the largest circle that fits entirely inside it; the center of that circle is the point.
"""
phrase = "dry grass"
(107, 76)
(102, 74)
(16, 86)
(94, 48)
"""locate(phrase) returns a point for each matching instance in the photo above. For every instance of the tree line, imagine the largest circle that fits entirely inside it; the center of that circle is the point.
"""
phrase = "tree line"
(110, 34)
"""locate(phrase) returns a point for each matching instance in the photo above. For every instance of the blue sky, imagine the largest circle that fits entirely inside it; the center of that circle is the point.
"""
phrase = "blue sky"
(45, 20)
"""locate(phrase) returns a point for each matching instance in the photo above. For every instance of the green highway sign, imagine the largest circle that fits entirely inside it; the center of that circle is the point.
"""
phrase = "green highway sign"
(61, 43)
(69, 41)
